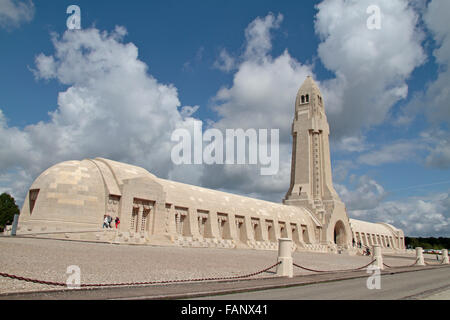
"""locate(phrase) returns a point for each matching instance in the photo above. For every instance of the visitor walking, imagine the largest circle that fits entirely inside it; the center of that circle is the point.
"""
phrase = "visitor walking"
(105, 221)
(109, 221)
(117, 221)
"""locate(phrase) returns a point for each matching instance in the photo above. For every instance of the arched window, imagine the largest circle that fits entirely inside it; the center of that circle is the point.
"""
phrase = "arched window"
(303, 99)
(307, 98)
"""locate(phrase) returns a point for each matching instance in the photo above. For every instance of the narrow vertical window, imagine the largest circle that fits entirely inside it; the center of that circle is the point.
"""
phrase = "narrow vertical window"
(33, 197)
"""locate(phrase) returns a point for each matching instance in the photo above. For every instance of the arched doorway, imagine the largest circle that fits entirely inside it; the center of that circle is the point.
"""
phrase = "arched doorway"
(340, 238)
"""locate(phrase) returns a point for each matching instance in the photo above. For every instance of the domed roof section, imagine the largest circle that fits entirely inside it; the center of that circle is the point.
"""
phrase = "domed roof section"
(394, 229)
(368, 227)
(71, 191)
(122, 171)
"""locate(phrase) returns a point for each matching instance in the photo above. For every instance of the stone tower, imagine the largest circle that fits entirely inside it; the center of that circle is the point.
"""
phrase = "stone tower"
(311, 178)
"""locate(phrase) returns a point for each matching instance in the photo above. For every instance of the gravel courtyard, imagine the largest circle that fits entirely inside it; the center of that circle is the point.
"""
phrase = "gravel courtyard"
(105, 263)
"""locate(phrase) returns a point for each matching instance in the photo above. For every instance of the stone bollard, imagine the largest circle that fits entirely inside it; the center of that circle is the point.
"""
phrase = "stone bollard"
(445, 256)
(377, 257)
(286, 268)
(419, 257)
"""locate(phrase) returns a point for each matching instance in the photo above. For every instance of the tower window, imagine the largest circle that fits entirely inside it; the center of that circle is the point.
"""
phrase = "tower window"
(307, 98)
(303, 99)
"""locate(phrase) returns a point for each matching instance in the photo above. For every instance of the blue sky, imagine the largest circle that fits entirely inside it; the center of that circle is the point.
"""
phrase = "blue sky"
(386, 92)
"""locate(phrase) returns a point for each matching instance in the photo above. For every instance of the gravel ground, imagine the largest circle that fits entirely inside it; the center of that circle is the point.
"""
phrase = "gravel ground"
(104, 263)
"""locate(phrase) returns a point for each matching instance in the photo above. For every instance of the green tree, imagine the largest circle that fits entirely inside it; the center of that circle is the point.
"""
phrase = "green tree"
(428, 243)
(8, 209)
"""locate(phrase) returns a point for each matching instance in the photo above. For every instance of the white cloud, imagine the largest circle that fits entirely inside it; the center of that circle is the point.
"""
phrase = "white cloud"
(13, 12)
(189, 65)
(262, 96)
(225, 62)
(264, 87)
(188, 111)
(15, 182)
(392, 153)
(341, 169)
(351, 144)
(371, 66)
(417, 216)
(434, 100)
(437, 97)
(439, 156)
(246, 179)
(368, 194)
(100, 114)
(258, 36)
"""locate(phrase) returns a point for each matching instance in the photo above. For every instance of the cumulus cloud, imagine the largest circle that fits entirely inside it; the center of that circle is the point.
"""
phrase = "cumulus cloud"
(392, 153)
(434, 101)
(225, 62)
(439, 155)
(13, 13)
(258, 36)
(351, 144)
(100, 114)
(417, 216)
(341, 168)
(371, 66)
(367, 194)
(262, 96)
(264, 87)
(188, 111)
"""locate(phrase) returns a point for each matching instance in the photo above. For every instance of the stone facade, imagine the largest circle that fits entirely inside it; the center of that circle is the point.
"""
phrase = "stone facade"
(70, 200)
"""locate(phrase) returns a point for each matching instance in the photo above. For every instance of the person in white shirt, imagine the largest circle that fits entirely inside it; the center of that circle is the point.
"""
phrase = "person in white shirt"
(105, 222)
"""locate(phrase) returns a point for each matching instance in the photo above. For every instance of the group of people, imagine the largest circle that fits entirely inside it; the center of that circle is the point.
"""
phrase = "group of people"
(107, 220)
(366, 251)
(360, 244)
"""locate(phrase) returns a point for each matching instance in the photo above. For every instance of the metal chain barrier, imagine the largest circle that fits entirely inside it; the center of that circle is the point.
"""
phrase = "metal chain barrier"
(48, 283)
(329, 271)
(434, 264)
(409, 265)
(60, 284)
